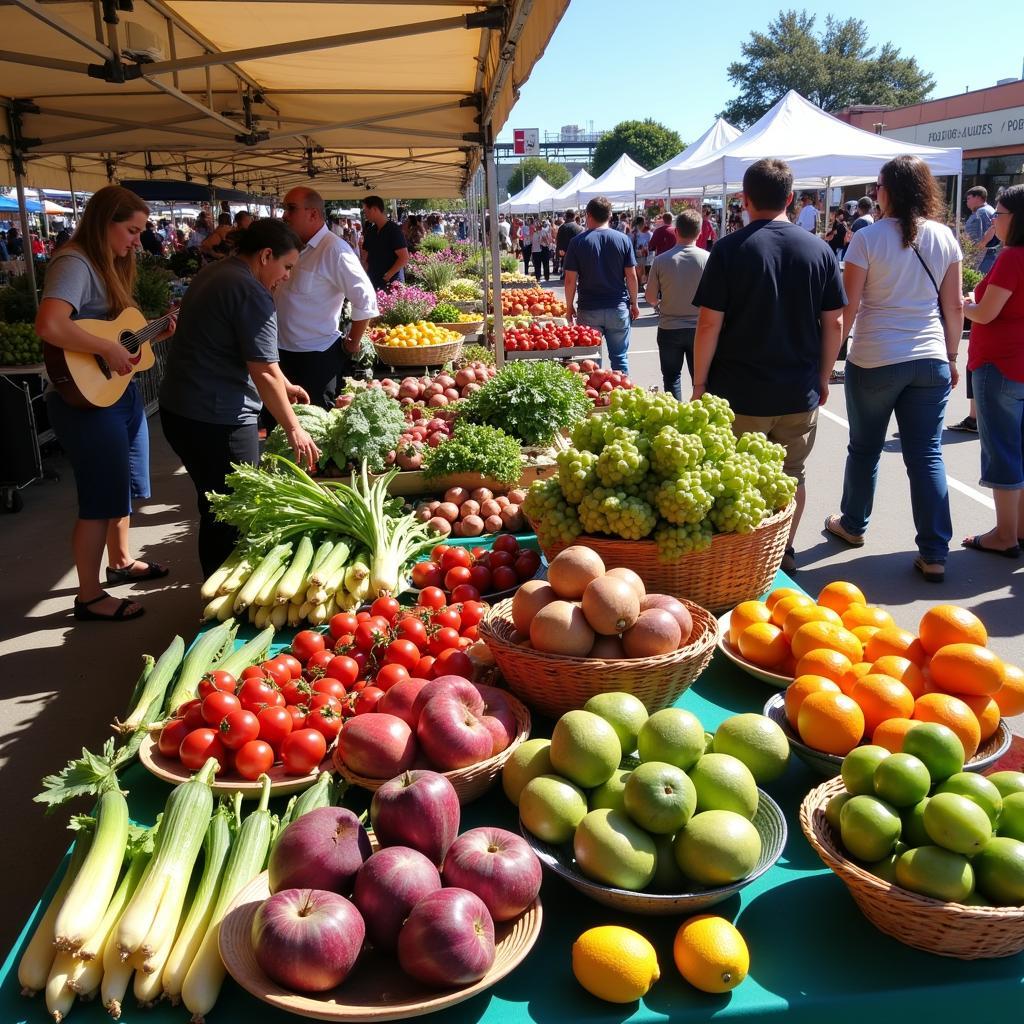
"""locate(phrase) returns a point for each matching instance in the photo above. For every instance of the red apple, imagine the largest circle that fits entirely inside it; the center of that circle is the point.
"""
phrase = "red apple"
(307, 940)
(498, 717)
(498, 866)
(452, 735)
(400, 699)
(321, 850)
(448, 940)
(387, 887)
(449, 684)
(419, 809)
(378, 746)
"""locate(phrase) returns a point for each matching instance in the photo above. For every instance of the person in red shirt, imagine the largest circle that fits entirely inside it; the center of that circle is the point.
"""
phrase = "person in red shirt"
(708, 236)
(664, 236)
(996, 360)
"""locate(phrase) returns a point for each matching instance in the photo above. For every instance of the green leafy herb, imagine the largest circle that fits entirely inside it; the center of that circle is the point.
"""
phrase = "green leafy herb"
(367, 429)
(476, 449)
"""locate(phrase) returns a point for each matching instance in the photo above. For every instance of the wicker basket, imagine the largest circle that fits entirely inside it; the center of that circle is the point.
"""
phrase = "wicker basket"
(948, 929)
(464, 327)
(470, 783)
(737, 567)
(421, 355)
(555, 683)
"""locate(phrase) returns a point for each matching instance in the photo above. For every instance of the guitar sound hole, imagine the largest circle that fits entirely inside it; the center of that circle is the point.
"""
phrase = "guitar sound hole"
(129, 341)
(104, 368)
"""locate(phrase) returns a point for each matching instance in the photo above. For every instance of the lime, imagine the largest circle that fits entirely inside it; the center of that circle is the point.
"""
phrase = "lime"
(1011, 821)
(902, 780)
(1007, 782)
(672, 735)
(623, 712)
(914, 833)
(870, 827)
(1000, 872)
(977, 789)
(612, 850)
(885, 868)
(529, 760)
(933, 871)
(717, 848)
(757, 741)
(858, 770)
(667, 876)
(724, 783)
(956, 823)
(551, 808)
(659, 797)
(585, 749)
(834, 808)
(609, 794)
(937, 745)
(709, 742)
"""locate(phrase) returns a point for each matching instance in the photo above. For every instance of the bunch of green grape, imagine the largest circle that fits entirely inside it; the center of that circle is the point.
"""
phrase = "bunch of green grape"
(691, 417)
(777, 488)
(19, 345)
(720, 413)
(738, 512)
(719, 442)
(675, 541)
(627, 516)
(576, 473)
(622, 462)
(591, 511)
(684, 500)
(554, 520)
(673, 452)
(589, 434)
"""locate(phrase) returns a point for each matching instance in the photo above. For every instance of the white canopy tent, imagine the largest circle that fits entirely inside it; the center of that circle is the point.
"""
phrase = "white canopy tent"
(661, 180)
(568, 196)
(529, 200)
(617, 184)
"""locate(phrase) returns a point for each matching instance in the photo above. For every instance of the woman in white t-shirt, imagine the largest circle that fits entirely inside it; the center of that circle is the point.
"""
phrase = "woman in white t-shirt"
(902, 279)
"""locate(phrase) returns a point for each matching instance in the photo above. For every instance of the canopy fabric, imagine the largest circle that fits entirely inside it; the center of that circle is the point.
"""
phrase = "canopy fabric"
(660, 180)
(568, 196)
(529, 200)
(185, 192)
(349, 96)
(817, 146)
(618, 183)
(9, 204)
(55, 209)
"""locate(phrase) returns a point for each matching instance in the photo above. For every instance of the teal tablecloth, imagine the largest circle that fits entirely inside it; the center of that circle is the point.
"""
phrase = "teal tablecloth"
(814, 958)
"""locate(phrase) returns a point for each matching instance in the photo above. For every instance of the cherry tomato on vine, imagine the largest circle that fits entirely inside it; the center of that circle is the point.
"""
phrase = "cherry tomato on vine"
(327, 721)
(402, 652)
(453, 662)
(253, 670)
(297, 713)
(424, 667)
(302, 751)
(296, 691)
(369, 635)
(199, 745)
(471, 633)
(294, 667)
(192, 714)
(471, 613)
(275, 724)
(257, 691)
(464, 592)
(444, 639)
(217, 679)
(306, 643)
(322, 700)
(344, 669)
(448, 616)
(368, 699)
(218, 706)
(432, 597)
(342, 623)
(387, 607)
(317, 664)
(238, 728)
(279, 669)
(437, 552)
(427, 574)
(361, 617)
(171, 736)
(412, 628)
(457, 576)
(332, 687)
(453, 556)
(390, 674)
(254, 759)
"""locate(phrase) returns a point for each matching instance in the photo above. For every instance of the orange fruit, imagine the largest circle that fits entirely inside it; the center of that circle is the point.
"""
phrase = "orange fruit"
(764, 645)
(784, 605)
(825, 634)
(893, 640)
(947, 624)
(881, 697)
(840, 595)
(890, 733)
(1010, 696)
(866, 615)
(801, 688)
(966, 668)
(800, 614)
(850, 680)
(986, 711)
(902, 669)
(864, 633)
(746, 614)
(823, 662)
(953, 713)
(779, 593)
(831, 722)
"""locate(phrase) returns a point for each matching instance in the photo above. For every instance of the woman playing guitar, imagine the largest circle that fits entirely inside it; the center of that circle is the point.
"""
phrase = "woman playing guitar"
(93, 277)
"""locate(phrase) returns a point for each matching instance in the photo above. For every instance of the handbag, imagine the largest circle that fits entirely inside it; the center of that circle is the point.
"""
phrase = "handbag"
(931, 277)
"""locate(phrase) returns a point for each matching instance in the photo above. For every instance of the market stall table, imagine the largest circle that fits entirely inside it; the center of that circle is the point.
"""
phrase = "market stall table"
(814, 957)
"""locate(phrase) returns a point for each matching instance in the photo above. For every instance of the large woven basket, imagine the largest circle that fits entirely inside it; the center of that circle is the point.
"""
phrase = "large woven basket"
(737, 567)
(555, 683)
(948, 929)
(470, 783)
(420, 355)
(464, 327)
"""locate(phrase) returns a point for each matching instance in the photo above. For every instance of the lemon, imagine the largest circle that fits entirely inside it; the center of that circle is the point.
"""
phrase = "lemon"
(615, 964)
(711, 954)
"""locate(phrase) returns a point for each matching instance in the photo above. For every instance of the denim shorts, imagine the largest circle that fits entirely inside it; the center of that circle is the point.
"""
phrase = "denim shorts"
(1000, 404)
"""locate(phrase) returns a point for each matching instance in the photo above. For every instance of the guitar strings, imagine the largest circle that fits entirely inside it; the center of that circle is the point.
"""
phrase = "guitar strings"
(145, 334)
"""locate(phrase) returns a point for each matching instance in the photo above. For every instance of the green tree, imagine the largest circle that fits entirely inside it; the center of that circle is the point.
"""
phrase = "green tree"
(437, 205)
(647, 142)
(833, 68)
(556, 175)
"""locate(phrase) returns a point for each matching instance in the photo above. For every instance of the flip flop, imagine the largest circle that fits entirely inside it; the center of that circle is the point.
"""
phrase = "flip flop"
(926, 569)
(974, 543)
(83, 614)
(154, 571)
(834, 526)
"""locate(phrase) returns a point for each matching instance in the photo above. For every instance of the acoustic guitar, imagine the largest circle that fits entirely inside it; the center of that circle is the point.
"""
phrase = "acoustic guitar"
(84, 379)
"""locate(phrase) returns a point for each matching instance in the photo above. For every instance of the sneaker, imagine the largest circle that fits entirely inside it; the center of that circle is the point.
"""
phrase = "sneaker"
(968, 425)
(836, 377)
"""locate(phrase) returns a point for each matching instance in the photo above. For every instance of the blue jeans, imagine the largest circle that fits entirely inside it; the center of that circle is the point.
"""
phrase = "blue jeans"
(917, 392)
(1000, 428)
(615, 325)
(988, 259)
(674, 346)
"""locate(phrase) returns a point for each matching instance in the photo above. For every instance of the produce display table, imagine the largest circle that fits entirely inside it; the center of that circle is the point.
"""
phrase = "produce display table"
(814, 958)
(577, 352)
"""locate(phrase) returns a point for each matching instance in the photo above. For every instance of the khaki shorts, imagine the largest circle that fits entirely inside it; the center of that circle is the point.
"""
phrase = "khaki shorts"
(794, 431)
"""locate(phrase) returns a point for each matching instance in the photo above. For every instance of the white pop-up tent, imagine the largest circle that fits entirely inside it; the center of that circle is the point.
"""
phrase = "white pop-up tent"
(661, 180)
(617, 184)
(568, 196)
(529, 200)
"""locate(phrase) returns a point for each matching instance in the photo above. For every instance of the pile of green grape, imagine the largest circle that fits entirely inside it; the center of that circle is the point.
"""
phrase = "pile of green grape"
(656, 467)
(19, 345)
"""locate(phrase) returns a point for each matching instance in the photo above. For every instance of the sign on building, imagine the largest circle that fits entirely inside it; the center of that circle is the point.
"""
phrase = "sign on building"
(975, 131)
(526, 142)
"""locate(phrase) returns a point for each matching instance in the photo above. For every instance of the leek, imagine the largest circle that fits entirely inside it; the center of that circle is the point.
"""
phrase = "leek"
(60, 996)
(279, 615)
(336, 560)
(326, 547)
(259, 615)
(155, 688)
(117, 973)
(201, 657)
(291, 580)
(211, 587)
(219, 607)
(268, 592)
(235, 581)
(275, 557)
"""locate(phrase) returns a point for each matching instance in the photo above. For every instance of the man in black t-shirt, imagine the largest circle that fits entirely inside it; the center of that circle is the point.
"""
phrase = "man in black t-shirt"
(385, 250)
(567, 231)
(771, 323)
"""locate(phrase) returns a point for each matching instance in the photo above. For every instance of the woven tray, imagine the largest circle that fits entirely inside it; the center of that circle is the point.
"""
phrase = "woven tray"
(555, 683)
(421, 355)
(737, 567)
(464, 327)
(470, 783)
(947, 929)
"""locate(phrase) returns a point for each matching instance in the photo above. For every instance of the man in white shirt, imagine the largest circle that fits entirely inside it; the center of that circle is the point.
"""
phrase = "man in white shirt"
(808, 216)
(309, 303)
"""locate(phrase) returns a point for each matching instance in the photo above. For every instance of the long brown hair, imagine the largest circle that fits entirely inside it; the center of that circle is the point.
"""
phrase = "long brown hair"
(913, 194)
(112, 204)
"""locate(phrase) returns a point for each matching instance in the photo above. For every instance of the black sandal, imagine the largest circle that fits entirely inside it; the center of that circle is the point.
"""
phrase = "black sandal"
(83, 614)
(154, 571)
(974, 543)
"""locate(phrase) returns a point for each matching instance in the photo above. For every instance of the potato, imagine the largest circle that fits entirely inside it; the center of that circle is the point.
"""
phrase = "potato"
(481, 494)
(472, 526)
(502, 501)
(456, 495)
(493, 524)
(448, 510)
(490, 507)
(512, 517)
(440, 526)
(469, 508)
(424, 514)
(517, 496)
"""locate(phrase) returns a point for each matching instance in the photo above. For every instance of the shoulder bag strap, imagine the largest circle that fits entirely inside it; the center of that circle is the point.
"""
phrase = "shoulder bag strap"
(931, 276)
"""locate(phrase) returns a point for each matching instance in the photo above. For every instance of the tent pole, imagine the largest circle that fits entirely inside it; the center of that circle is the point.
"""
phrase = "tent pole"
(491, 190)
(71, 185)
(828, 202)
(959, 200)
(725, 184)
(26, 234)
(668, 207)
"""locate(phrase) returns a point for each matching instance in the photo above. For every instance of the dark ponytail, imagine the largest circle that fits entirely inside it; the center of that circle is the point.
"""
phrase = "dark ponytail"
(913, 194)
(266, 233)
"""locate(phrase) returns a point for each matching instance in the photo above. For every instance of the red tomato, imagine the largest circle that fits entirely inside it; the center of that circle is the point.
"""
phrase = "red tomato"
(458, 575)
(500, 558)
(433, 597)
(256, 691)
(192, 713)
(392, 673)
(526, 565)
(171, 736)
(480, 555)
(453, 662)
(412, 628)
(426, 574)
(344, 669)
(446, 637)
(480, 577)
(296, 691)
(217, 680)
(294, 668)
(424, 667)
(302, 751)
(472, 612)
(252, 670)
(332, 687)
(343, 622)
(275, 724)
(306, 643)
(507, 543)
(369, 635)
(238, 728)
(327, 721)
(454, 556)
(437, 551)
(447, 617)
(345, 643)
(279, 669)
(471, 633)
(323, 700)
(297, 713)
(368, 699)
(219, 705)
(318, 663)
(465, 592)
(505, 578)
(199, 745)
(361, 617)
(387, 607)
(402, 652)
(254, 759)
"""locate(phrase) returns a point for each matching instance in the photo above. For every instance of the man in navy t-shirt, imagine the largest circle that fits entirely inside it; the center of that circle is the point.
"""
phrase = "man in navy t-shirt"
(771, 323)
(600, 267)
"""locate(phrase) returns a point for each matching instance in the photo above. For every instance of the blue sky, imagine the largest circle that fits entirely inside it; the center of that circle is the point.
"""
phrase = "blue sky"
(667, 59)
